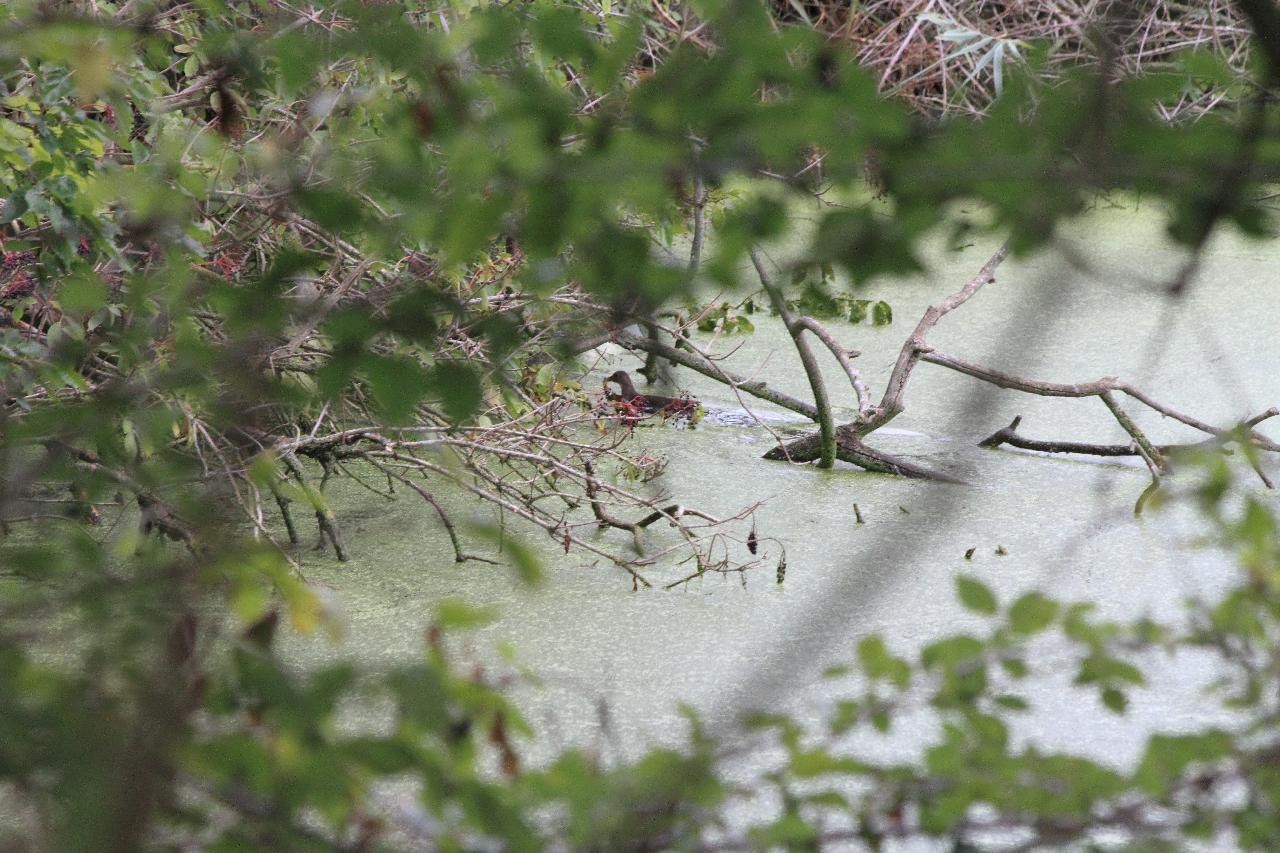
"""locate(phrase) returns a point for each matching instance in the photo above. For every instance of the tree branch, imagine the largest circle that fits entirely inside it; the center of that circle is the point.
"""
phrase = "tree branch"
(891, 404)
(700, 363)
(860, 390)
(822, 405)
(1089, 389)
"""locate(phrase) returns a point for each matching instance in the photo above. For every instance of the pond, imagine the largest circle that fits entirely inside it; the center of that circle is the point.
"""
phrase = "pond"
(1063, 524)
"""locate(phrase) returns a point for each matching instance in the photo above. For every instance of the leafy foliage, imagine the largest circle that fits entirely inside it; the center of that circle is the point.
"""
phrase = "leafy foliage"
(246, 245)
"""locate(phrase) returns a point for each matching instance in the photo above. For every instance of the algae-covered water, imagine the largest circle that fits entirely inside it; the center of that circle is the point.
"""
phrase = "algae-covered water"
(721, 644)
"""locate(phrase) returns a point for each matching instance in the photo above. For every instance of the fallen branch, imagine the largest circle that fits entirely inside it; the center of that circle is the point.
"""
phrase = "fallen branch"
(850, 448)
(844, 357)
(849, 436)
(1009, 436)
(891, 404)
(822, 406)
(916, 349)
(1096, 388)
(702, 364)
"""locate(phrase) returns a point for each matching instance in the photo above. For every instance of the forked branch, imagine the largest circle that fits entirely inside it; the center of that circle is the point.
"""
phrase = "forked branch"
(827, 452)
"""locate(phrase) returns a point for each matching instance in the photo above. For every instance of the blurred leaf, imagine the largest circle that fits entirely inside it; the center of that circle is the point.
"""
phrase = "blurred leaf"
(1032, 613)
(399, 384)
(330, 208)
(454, 613)
(1168, 756)
(527, 563)
(457, 387)
(975, 595)
(82, 291)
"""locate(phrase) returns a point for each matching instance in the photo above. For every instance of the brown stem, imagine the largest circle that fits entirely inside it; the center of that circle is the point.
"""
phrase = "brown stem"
(699, 215)
(1009, 436)
(459, 556)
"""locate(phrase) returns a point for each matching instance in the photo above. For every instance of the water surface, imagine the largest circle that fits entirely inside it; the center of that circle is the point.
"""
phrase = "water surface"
(720, 643)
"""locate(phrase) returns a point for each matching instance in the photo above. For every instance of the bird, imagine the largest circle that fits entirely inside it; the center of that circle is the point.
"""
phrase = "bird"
(632, 404)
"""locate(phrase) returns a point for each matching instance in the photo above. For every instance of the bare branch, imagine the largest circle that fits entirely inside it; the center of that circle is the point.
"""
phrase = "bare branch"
(1085, 389)
(860, 390)
(707, 367)
(822, 405)
(891, 404)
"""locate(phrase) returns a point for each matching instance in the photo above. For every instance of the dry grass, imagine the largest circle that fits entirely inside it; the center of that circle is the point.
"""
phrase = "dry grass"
(943, 56)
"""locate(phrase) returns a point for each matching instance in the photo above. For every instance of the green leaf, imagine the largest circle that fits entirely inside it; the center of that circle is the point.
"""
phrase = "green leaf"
(949, 651)
(527, 563)
(878, 663)
(473, 224)
(1115, 700)
(456, 386)
(975, 595)
(790, 832)
(815, 762)
(1012, 702)
(1168, 756)
(1015, 667)
(1032, 613)
(881, 313)
(398, 385)
(560, 32)
(1103, 669)
(880, 720)
(382, 756)
(263, 470)
(844, 717)
(331, 209)
(456, 613)
(874, 655)
(83, 291)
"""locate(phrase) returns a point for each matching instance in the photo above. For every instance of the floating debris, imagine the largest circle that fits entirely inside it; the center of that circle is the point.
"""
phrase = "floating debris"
(857, 514)
(968, 555)
(1001, 551)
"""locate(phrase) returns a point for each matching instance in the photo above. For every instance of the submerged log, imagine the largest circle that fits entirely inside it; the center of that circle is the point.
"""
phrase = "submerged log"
(850, 448)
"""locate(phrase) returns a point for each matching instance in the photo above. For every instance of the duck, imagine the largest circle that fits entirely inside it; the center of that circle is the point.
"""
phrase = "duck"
(631, 402)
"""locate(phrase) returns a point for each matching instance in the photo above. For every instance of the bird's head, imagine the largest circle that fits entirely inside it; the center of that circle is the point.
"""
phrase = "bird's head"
(623, 380)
